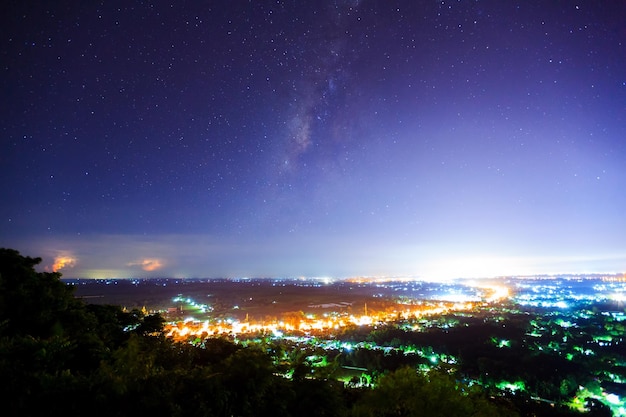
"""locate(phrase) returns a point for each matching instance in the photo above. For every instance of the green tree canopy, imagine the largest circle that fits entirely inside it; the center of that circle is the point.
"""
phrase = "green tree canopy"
(408, 393)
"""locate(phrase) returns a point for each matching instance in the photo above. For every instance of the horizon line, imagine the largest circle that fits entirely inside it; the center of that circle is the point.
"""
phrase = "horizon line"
(359, 277)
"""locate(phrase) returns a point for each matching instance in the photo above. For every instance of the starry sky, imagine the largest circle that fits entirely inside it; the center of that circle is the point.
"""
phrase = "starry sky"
(314, 138)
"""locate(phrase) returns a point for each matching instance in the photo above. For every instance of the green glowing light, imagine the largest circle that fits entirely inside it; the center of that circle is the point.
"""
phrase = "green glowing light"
(563, 323)
(511, 386)
(501, 343)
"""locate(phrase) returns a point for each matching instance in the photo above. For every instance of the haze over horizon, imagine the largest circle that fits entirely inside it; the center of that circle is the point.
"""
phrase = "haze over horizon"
(439, 139)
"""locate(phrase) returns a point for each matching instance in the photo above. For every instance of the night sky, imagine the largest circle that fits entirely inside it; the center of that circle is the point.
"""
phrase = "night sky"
(321, 138)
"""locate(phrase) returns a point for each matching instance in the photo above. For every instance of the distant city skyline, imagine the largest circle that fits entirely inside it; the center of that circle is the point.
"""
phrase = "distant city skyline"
(432, 139)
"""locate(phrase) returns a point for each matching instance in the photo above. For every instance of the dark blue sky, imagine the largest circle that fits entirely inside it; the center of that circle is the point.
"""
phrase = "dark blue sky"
(428, 138)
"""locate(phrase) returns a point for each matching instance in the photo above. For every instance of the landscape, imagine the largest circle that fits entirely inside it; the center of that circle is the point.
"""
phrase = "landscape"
(346, 208)
(547, 344)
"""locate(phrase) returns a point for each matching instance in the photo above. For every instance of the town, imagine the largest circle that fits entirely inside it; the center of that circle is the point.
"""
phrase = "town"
(568, 329)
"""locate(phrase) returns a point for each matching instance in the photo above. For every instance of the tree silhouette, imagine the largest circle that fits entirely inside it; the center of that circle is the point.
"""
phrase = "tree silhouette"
(33, 303)
(408, 393)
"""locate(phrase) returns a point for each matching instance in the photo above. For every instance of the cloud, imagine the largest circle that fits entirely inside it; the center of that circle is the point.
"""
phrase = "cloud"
(148, 264)
(284, 254)
(63, 262)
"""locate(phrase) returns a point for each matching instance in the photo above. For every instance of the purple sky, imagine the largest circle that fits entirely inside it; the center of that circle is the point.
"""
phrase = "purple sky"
(426, 138)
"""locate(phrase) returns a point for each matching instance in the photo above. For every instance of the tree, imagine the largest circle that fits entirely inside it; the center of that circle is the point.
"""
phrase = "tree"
(53, 346)
(407, 393)
(34, 303)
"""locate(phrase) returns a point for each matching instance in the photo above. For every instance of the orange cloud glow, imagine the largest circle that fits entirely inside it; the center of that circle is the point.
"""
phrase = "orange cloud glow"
(148, 264)
(61, 262)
